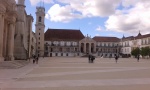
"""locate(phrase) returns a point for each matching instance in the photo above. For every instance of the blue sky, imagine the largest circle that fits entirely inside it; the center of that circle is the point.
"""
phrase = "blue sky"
(95, 17)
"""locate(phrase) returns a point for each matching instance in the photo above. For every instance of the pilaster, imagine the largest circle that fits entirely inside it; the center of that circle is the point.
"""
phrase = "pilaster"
(84, 47)
(1, 35)
(94, 47)
(89, 48)
(11, 42)
(11, 33)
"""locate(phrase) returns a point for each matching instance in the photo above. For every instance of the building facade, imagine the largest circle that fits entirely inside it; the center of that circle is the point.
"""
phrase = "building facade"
(67, 42)
(23, 32)
(8, 17)
(62, 42)
(15, 31)
(129, 43)
(39, 32)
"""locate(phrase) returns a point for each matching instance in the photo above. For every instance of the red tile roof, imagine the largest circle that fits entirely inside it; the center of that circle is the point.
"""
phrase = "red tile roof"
(146, 35)
(63, 35)
(128, 38)
(106, 39)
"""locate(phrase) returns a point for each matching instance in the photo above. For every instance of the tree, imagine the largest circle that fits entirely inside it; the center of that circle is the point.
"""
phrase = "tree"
(135, 52)
(145, 51)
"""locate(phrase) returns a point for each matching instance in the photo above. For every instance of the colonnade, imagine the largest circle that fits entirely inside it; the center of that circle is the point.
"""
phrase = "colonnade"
(88, 47)
(7, 30)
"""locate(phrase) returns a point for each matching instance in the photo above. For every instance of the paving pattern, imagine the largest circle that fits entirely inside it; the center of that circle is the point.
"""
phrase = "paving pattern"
(68, 73)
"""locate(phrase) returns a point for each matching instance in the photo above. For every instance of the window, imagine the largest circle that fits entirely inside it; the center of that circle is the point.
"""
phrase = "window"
(39, 33)
(39, 38)
(40, 19)
(38, 47)
(39, 42)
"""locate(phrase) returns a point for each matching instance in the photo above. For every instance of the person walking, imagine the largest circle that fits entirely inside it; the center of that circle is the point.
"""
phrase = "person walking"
(92, 59)
(34, 58)
(138, 57)
(89, 57)
(116, 58)
(37, 59)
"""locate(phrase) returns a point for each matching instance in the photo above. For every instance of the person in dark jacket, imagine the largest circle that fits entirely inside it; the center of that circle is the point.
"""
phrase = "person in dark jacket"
(92, 59)
(37, 59)
(138, 57)
(34, 59)
(89, 58)
(116, 58)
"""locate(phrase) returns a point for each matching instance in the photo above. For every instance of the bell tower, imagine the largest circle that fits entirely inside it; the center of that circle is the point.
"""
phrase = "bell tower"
(40, 26)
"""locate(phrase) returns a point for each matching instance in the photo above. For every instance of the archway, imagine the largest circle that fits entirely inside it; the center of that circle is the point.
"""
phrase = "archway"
(92, 47)
(82, 47)
(87, 48)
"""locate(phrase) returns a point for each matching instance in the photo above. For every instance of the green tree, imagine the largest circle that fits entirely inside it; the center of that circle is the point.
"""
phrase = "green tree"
(145, 51)
(135, 52)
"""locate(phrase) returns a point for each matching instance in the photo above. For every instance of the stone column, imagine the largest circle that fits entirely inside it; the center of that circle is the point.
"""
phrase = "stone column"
(89, 48)
(11, 31)
(84, 47)
(1, 35)
(5, 40)
(94, 47)
(79, 47)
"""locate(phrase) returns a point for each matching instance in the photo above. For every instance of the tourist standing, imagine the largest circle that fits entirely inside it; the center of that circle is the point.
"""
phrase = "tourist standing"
(92, 59)
(116, 58)
(37, 59)
(89, 58)
(34, 58)
(138, 57)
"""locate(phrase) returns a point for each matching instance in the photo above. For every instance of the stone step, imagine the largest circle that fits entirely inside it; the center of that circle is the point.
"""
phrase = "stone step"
(13, 64)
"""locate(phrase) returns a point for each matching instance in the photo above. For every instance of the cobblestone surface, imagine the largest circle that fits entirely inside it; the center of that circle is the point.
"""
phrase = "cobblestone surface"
(60, 73)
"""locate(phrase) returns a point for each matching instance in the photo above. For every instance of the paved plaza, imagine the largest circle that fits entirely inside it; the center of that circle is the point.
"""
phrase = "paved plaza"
(75, 73)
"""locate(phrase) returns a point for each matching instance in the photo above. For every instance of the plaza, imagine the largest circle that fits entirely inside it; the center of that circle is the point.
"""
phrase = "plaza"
(75, 73)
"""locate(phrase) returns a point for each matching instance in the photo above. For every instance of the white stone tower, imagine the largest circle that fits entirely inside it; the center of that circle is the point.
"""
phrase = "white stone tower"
(20, 49)
(40, 26)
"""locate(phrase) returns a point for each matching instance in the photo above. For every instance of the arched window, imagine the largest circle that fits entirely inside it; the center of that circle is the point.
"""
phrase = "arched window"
(40, 19)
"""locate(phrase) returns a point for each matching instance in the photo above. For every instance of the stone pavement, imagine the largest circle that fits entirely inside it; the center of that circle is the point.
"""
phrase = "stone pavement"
(69, 73)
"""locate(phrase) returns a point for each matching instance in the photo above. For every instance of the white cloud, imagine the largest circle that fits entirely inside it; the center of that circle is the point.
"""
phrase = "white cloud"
(35, 2)
(81, 9)
(131, 20)
(59, 13)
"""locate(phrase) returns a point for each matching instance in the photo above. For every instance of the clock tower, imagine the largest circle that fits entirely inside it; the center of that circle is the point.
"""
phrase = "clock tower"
(40, 26)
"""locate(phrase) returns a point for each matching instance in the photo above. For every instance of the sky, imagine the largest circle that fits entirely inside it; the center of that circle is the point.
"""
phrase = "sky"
(95, 17)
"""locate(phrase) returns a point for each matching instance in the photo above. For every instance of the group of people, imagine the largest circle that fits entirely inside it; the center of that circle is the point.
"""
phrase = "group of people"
(91, 58)
(35, 59)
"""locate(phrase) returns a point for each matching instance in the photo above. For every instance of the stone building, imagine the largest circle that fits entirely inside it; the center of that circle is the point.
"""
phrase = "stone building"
(23, 32)
(8, 17)
(132, 42)
(107, 46)
(62, 42)
(67, 42)
(39, 32)
(15, 30)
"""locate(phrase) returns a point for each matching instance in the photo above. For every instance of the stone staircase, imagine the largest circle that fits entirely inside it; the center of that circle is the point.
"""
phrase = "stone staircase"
(13, 64)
